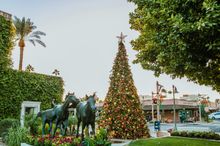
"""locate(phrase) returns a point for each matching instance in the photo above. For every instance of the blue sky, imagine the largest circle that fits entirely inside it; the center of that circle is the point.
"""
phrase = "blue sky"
(81, 43)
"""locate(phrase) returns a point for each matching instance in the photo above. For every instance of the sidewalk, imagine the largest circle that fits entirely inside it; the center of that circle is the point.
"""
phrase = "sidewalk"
(120, 142)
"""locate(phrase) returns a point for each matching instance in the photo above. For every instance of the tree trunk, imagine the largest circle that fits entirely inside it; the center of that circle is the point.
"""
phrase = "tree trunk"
(21, 45)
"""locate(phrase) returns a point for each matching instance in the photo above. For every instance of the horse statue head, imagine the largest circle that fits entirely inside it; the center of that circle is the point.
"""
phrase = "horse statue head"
(71, 100)
(91, 100)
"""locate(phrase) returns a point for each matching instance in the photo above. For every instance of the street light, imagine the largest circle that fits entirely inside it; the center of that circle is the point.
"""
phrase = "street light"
(174, 107)
(159, 88)
(159, 91)
(152, 111)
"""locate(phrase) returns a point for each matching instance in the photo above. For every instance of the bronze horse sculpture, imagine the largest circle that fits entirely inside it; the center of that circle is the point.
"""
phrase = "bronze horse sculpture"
(85, 112)
(59, 113)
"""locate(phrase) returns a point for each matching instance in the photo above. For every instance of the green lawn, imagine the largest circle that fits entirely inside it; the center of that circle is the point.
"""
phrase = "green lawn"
(174, 141)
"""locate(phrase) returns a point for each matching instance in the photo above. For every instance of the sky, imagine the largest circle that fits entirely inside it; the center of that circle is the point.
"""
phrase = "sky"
(81, 43)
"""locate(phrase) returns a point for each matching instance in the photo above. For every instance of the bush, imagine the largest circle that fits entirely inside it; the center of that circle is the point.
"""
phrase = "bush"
(175, 133)
(16, 135)
(101, 138)
(18, 86)
(184, 133)
(194, 134)
(72, 122)
(7, 33)
(32, 123)
(5, 124)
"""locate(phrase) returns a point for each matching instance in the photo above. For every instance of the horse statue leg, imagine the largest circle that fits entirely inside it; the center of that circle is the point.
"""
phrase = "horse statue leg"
(65, 124)
(93, 128)
(78, 124)
(83, 127)
(55, 129)
(51, 124)
(43, 126)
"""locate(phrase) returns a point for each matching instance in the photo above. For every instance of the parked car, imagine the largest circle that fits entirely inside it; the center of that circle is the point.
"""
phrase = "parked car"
(215, 115)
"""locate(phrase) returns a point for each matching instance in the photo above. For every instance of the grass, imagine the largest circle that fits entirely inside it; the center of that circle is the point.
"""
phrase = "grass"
(174, 141)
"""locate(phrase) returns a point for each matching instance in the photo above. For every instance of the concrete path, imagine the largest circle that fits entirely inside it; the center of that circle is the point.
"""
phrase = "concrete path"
(120, 142)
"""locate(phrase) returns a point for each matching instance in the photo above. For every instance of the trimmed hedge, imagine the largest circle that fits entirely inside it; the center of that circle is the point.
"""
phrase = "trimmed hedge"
(18, 86)
(7, 32)
(194, 134)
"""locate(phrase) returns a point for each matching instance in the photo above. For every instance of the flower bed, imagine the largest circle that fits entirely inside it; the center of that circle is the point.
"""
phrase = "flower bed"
(99, 140)
(58, 140)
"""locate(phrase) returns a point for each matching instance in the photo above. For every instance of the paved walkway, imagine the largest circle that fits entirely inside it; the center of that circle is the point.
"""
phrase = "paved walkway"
(120, 142)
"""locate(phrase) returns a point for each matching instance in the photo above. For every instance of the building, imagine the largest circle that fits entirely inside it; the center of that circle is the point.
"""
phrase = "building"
(187, 108)
(184, 108)
(217, 103)
(6, 15)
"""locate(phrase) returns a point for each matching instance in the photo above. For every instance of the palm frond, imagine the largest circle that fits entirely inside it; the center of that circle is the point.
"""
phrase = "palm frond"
(25, 30)
(41, 43)
(17, 23)
(32, 41)
(35, 36)
(16, 19)
(39, 33)
(16, 39)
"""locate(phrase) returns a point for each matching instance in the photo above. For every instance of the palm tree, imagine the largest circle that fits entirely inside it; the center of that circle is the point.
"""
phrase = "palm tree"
(25, 32)
(29, 68)
(56, 72)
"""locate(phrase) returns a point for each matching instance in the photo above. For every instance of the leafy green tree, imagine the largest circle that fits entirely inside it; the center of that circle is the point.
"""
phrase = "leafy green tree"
(25, 32)
(179, 38)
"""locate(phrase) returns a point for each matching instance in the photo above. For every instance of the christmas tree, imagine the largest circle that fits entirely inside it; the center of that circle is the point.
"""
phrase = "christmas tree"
(122, 114)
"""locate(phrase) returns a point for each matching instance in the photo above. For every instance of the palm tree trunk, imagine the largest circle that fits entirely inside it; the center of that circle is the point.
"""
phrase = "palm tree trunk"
(21, 58)
(21, 45)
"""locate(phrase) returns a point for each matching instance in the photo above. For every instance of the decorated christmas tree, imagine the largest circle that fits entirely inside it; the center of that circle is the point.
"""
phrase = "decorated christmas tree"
(122, 114)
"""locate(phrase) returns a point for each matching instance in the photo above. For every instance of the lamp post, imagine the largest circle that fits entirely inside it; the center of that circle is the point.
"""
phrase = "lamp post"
(174, 107)
(158, 90)
(200, 112)
(152, 112)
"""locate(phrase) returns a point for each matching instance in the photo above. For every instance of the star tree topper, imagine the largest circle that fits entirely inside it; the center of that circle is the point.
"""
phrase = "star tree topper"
(121, 38)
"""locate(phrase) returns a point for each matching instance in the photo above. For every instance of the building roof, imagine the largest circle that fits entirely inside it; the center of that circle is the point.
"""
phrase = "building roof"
(170, 107)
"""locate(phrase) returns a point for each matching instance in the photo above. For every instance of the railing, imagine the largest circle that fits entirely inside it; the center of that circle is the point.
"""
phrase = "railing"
(6, 15)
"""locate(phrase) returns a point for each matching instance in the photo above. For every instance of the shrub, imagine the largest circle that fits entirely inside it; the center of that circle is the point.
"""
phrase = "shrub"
(5, 124)
(101, 138)
(72, 121)
(16, 135)
(18, 86)
(32, 123)
(7, 33)
(194, 134)
(184, 133)
(175, 133)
